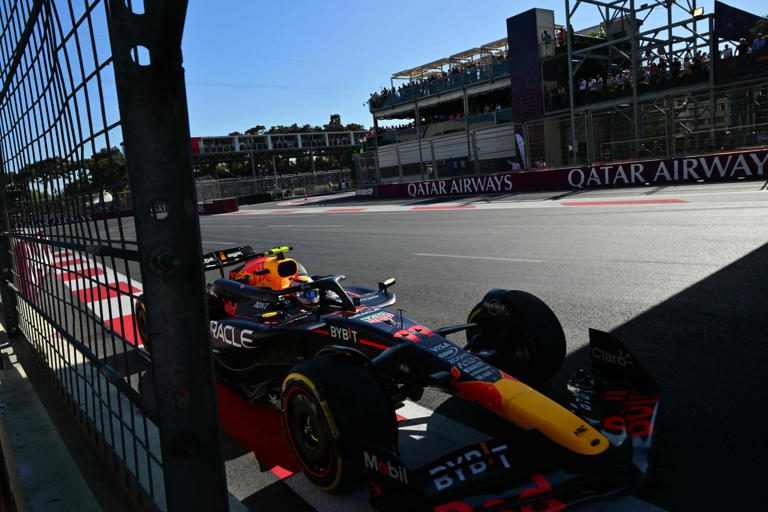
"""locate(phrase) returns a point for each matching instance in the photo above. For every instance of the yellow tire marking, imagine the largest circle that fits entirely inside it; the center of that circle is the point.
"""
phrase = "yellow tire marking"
(331, 423)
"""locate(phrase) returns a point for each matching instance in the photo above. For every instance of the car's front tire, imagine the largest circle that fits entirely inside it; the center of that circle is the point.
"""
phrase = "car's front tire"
(519, 334)
(332, 406)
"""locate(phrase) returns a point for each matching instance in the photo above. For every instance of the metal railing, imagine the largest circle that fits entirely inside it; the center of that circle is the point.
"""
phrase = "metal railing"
(474, 121)
(252, 190)
(482, 151)
(724, 118)
(431, 87)
(80, 80)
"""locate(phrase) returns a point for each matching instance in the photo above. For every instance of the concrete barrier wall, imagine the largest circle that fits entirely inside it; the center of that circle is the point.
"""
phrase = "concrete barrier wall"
(217, 206)
(719, 167)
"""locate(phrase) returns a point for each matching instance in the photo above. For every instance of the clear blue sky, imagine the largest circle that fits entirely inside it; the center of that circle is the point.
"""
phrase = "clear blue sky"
(252, 62)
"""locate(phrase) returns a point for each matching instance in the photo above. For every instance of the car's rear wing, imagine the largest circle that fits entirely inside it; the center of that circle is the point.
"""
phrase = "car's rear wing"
(227, 257)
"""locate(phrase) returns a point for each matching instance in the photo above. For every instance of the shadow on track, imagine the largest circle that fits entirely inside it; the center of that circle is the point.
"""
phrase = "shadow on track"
(707, 349)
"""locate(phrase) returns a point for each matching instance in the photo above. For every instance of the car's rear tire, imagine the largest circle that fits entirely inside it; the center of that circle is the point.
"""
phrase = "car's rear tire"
(331, 407)
(521, 332)
(140, 313)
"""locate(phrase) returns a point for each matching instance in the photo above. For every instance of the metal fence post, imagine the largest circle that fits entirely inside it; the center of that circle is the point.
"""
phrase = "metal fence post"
(476, 158)
(399, 162)
(152, 100)
(589, 138)
(8, 298)
(434, 159)
(10, 311)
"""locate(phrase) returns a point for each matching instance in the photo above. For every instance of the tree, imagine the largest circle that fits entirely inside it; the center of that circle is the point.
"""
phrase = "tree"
(107, 170)
(43, 173)
(234, 134)
(334, 125)
(79, 186)
(256, 130)
(761, 27)
(38, 197)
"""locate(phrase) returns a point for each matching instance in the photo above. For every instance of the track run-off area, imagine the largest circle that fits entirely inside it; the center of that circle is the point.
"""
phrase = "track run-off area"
(679, 274)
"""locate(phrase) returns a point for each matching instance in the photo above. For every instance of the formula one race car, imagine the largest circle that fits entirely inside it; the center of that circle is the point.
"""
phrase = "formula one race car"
(337, 364)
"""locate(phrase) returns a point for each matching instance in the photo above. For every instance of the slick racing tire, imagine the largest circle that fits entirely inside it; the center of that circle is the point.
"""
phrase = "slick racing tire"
(519, 334)
(140, 313)
(331, 407)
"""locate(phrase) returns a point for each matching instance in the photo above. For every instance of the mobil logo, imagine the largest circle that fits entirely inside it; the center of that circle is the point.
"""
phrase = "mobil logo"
(385, 467)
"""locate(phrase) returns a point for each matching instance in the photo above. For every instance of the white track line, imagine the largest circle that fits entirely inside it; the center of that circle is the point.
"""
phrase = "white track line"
(212, 242)
(489, 258)
(302, 226)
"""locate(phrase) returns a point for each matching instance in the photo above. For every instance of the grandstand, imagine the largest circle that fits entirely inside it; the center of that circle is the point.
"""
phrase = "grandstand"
(657, 79)
(267, 143)
(261, 167)
(254, 155)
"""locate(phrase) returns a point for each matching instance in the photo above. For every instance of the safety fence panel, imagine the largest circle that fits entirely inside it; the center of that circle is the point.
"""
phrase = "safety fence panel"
(464, 153)
(255, 190)
(72, 251)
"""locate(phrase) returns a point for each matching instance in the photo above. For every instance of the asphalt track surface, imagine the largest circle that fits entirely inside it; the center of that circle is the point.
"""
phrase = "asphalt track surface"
(680, 274)
(683, 282)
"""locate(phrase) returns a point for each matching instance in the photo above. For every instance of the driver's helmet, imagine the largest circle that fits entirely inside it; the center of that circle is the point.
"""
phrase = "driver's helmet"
(307, 298)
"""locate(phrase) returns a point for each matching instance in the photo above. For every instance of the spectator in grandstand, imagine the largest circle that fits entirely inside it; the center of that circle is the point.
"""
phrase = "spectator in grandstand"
(437, 82)
(728, 140)
(727, 52)
(561, 38)
(675, 69)
(743, 49)
(620, 81)
(546, 39)
(758, 45)
(687, 67)
(662, 67)
(705, 62)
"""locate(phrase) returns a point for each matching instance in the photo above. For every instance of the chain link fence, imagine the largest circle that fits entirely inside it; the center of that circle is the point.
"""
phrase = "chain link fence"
(82, 83)
(252, 190)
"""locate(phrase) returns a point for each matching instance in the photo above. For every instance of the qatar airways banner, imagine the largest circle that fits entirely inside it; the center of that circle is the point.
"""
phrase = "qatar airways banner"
(710, 168)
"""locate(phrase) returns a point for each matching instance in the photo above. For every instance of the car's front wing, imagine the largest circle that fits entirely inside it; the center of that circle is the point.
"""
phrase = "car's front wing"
(527, 472)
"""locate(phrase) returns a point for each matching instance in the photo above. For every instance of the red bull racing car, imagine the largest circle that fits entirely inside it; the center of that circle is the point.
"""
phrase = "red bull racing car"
(337, 363)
